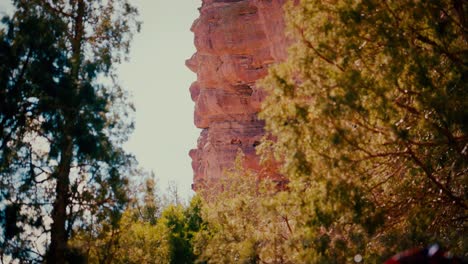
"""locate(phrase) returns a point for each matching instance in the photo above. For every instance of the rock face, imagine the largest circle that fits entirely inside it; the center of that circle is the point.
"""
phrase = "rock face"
(236, 41)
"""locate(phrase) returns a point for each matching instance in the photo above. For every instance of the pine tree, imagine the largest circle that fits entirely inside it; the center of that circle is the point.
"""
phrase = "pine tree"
(63, 118)
(369, 114)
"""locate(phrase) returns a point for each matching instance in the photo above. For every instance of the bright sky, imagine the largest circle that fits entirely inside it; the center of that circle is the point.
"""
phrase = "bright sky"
(159, 81)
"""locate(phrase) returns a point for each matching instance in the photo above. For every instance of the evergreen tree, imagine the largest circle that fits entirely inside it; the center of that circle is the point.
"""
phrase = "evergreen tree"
(63, 119)
(369, 115)
(148, 232)
(182, 224)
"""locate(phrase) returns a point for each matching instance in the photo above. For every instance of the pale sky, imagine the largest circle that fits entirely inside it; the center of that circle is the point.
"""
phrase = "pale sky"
(159, 81)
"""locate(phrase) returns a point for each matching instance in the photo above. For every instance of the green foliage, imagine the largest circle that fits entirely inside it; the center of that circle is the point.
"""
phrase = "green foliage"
(148, 232)
(133, 241)
(61, 126)
(182, 225)
(241, 221)
(369, 113)
(252, 221)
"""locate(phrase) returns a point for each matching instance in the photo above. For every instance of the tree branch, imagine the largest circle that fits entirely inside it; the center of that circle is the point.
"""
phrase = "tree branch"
(459, 201)
(309, 45)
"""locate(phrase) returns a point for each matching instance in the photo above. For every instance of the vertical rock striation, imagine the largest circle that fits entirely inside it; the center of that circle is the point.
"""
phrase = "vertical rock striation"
(236, 41)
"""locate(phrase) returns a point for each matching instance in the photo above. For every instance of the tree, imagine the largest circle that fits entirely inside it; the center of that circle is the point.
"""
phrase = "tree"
(148, 232)
(244, 221)
(132, 240)
(182, 225)
(369, 115)
(61, 125)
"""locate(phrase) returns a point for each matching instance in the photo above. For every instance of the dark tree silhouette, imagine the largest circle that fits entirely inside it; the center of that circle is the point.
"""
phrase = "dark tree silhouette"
(63, 118)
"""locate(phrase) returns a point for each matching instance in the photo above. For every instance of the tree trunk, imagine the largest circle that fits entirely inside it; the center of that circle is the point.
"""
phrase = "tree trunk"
(58, 235)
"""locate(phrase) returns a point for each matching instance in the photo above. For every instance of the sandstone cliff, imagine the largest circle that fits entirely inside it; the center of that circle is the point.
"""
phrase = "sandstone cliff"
(236, 41)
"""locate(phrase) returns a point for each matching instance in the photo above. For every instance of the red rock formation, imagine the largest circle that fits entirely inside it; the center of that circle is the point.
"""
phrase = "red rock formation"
(236, 41)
